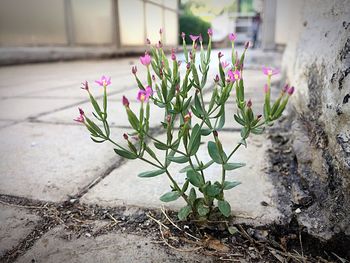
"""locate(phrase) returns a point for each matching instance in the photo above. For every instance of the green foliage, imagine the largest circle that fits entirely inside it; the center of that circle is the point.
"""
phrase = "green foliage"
(184, 133)
(191, 24)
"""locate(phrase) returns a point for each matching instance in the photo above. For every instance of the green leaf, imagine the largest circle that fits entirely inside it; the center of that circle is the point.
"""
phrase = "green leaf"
(206, 132)
(233, 166)
(229, 185)
(213, 190)
(125, 154)
(195, 140)
(214, 152)
(192, 196)
(134, 122)
(221, 121)
(170, 196)
(97, 141)
(198, 104)
(239, 120)
(202, 210)
(185, 186)
(195, 178)
(232, 230)
(151, 173)
(178, 159)
(184, 212)
(161, 146)
(224, 208)
(186, 169)
(257, 130)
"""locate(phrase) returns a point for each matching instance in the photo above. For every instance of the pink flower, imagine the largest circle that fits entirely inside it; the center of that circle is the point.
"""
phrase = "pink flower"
(103, 82)
(194, 38)
(268, 71)
(183, 35)
(224, 64)
(266, 88)
(291, 90)
(143, 95)
(80, 118)
(210, 32)
(232, 37)
(234, 75)
(125, 101)
(146, 59)
(85, 85)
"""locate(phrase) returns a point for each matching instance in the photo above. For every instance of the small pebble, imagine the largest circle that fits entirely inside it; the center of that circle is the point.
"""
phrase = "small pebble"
(298, 211)
(88, 234)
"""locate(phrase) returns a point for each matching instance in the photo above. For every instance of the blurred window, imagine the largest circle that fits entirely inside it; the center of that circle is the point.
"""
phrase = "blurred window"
(34, 22)
(171, 28)
(131, 19)
(93, 21)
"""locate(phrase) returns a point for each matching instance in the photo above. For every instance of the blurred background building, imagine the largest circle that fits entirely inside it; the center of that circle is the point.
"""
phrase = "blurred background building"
(41, 30)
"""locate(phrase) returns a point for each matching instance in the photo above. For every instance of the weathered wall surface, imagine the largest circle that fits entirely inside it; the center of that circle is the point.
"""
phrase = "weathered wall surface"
(317, 63)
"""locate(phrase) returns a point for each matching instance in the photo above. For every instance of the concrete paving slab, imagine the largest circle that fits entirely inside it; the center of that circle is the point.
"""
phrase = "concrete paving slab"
(123, 187)
(116, 113)
(113, 247)
(49, 162)
(21, 109)
(15, 225)
(5, 123)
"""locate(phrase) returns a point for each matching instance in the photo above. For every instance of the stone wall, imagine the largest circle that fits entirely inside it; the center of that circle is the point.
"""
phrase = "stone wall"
(317, 63)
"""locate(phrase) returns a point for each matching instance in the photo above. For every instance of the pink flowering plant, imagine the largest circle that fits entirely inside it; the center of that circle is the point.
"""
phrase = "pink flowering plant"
(181, 99)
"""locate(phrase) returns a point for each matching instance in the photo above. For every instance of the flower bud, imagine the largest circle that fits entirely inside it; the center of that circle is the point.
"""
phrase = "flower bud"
(200, 38)
(177, 88)
(179, 63)
(134, 70)
(195, 45)
(183, 35)
(246, 45)
(191, 56)
(188, 66)
(173, 56)
(125, 102)
(168, 118)
(159, 45)
(220, 55)
(148, 41)
(215, 133)
(291, 90)
(81, 112)
(153, 78)
(161, 31)
(187, 117)
(210, 32)
(126, 137)
(216, 79)
(285, 88)
(85, 85)
(259, 116)
(249, 103)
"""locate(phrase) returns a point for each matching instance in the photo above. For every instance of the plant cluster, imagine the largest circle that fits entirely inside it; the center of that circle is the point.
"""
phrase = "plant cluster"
(182, 100)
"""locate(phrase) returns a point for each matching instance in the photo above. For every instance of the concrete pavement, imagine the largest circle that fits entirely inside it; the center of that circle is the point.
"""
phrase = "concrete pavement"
(46, 156)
